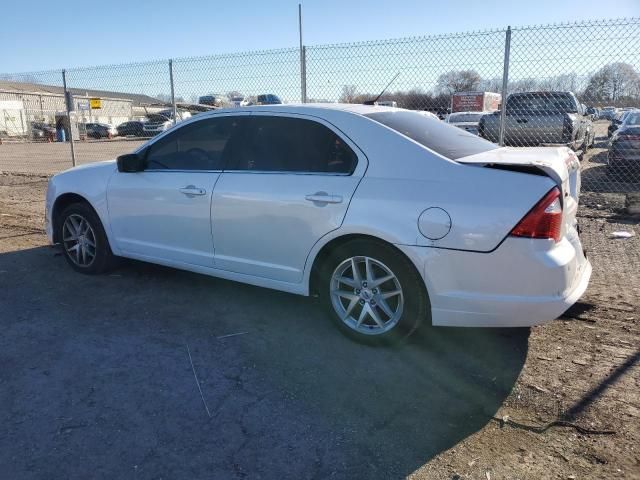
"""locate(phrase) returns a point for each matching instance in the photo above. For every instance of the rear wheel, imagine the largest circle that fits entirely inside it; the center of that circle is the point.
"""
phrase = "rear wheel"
(373, 292)
(84, 242)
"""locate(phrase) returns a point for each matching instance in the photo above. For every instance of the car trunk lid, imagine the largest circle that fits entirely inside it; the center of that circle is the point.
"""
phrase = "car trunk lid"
(560, 164)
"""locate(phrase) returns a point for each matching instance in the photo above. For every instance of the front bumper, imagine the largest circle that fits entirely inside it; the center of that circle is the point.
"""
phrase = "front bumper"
(524, 282)
(48, 213)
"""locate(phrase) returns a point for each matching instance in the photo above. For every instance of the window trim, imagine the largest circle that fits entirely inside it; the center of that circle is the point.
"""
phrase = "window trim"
(361, 159)
(362, 162)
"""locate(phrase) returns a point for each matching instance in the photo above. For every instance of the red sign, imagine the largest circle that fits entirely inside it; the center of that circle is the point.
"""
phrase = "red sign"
(467, 102)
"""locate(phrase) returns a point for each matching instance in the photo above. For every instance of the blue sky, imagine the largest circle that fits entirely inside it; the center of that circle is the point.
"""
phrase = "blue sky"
(40, 35)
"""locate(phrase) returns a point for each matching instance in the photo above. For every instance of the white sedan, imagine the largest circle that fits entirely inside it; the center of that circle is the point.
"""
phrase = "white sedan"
(393, 218)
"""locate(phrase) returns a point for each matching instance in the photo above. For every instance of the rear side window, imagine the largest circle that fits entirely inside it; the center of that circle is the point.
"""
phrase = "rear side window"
(449, 141)
(285, 144)
(201, 145)
(541, 103)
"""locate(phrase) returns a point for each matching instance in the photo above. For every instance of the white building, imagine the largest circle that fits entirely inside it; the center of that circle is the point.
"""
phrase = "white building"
(39, 103)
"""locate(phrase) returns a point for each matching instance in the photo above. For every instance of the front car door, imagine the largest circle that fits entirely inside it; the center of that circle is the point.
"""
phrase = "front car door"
(164, 212)
(288, 182)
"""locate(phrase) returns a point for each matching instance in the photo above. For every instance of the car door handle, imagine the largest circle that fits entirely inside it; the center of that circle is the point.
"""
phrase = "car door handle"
(323, 197)
(191, 190)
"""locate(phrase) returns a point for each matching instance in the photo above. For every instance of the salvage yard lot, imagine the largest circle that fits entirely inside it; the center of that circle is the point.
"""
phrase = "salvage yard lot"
(97, 380)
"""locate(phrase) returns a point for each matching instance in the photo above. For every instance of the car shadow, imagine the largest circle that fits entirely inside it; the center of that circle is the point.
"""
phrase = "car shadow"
(149, 371)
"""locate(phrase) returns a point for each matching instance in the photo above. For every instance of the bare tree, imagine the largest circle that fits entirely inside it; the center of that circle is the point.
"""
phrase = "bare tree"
(458, 81)
(490, 85)
(523, 85)
(349, 94)
(614, 82)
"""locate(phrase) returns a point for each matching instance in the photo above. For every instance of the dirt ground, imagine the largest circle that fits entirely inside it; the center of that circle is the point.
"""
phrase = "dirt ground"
(97, 382)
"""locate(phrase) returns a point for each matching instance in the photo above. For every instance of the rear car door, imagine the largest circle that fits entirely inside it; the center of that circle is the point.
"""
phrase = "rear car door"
(164, 212)
(288, 183)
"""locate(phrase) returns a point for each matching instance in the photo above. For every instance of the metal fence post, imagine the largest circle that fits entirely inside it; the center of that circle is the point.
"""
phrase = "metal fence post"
(173, 93)
(304, 74)
(66, 101)
(505, 84)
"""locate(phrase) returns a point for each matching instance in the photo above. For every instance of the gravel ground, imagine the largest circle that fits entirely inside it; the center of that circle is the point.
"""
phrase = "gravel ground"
(97, 380)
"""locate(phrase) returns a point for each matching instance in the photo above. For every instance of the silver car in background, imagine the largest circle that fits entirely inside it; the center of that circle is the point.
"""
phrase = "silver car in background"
(467, 121)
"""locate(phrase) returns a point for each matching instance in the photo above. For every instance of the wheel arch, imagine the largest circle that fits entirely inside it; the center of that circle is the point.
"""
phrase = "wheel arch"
(62, 202)
(332, 244)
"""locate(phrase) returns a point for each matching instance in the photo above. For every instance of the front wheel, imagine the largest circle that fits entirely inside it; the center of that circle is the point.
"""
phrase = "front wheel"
(373, 292)
(83, 239)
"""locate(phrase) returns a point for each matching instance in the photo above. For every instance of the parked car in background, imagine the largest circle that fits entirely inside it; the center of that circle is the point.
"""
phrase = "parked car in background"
(617, 121)
(268, 99)
(213, 100)
(466, 120)
(387, 103)
(134, 127)
(100, 130)
(237, 101)
(159, 122)
(43, 131)
(541, 119)
(623, 161)
(594, 112)
(440, 112)
(608, 113)
(392, 217)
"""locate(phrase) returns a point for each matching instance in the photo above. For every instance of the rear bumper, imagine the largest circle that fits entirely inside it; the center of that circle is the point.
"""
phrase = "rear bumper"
(522, 283)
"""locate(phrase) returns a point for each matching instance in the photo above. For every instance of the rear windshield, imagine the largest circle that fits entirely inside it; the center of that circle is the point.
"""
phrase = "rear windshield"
(551, 103)
(632, 119)
(464, 117)
(447, 140)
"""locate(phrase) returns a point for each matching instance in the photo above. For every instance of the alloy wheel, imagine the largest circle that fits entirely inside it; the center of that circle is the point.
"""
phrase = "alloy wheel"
(79, 240)
(366, 295)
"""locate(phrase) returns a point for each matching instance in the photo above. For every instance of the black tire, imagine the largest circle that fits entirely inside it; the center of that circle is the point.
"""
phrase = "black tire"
(416, 307)
(103, 259)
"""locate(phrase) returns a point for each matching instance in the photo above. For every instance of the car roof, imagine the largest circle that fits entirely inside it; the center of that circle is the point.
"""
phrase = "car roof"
(307, 108)
(482, 112)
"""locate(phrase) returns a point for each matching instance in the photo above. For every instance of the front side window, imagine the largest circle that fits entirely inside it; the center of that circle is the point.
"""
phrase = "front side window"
(442, 138)
(197, 146)
(285, 144)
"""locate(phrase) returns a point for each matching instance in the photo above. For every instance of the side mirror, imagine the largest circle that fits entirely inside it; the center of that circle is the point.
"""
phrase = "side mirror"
(131, 162)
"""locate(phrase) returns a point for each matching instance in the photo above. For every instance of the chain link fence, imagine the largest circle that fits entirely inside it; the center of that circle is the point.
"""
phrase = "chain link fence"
(575, 85)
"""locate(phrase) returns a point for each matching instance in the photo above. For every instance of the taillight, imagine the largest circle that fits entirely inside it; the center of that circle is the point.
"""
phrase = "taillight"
(544, 220)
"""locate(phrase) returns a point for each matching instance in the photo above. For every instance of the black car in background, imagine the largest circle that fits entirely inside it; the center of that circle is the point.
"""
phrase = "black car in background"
(616, 121)
(43, 131)
(624, 149)
(268, 99)
(134, 127)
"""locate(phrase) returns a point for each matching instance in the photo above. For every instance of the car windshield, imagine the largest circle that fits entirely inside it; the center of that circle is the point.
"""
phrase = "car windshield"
(464, 117)
(447, 140)
(541, 103)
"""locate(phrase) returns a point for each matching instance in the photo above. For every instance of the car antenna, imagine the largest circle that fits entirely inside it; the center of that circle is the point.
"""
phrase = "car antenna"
(373, 102)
